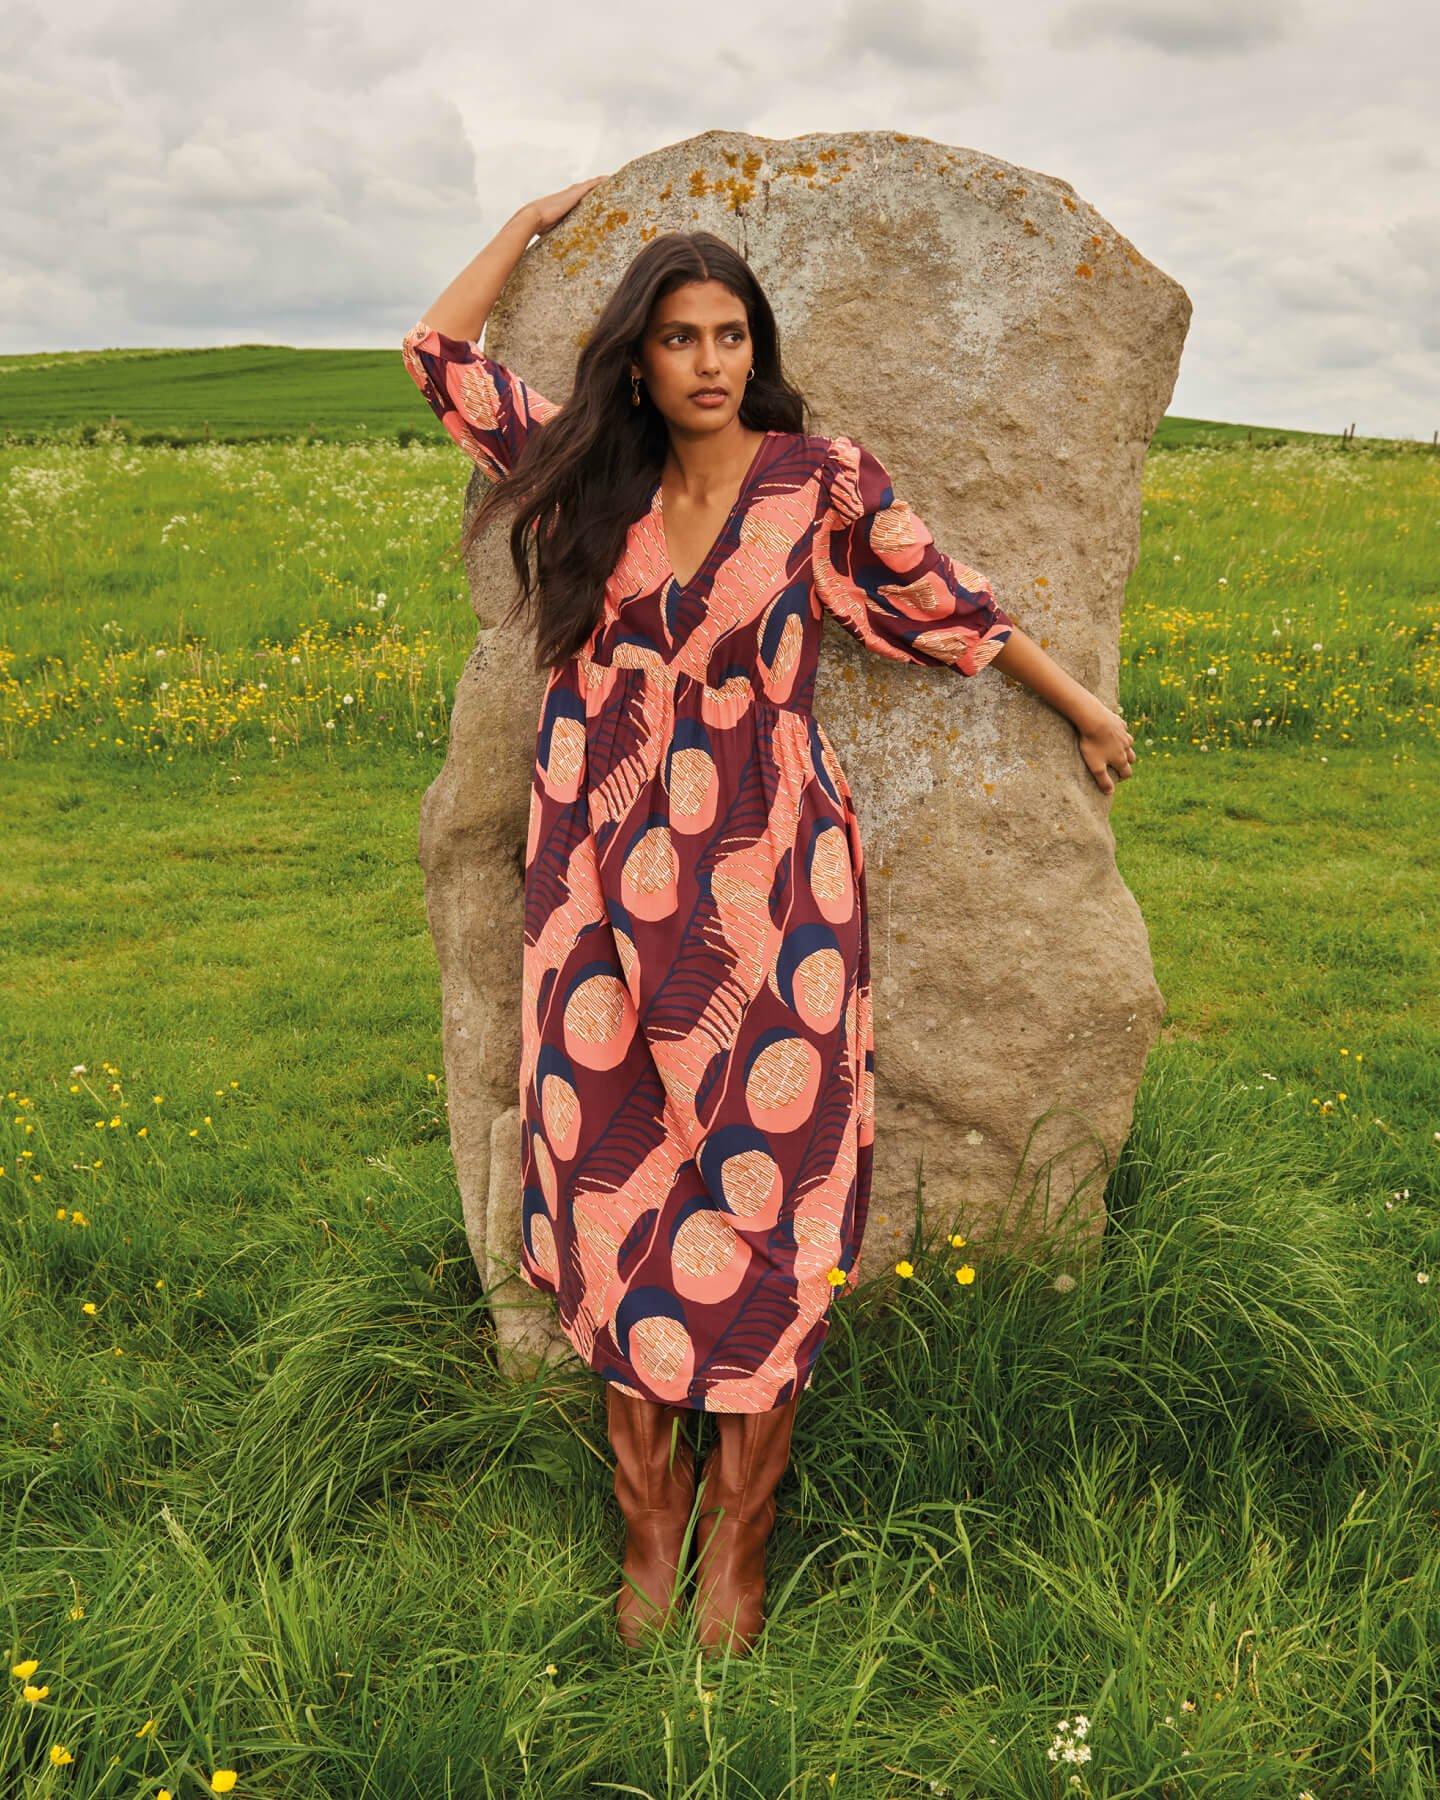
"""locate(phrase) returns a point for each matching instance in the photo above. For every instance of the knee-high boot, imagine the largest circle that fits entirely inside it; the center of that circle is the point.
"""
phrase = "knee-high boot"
(737, 1510)
(656, 1493)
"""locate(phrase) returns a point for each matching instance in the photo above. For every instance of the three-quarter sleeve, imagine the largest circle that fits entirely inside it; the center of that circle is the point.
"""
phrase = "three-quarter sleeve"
(487, 409)
(880, 572)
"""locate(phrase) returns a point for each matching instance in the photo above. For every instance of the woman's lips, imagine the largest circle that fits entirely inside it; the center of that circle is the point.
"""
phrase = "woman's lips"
(711, 399)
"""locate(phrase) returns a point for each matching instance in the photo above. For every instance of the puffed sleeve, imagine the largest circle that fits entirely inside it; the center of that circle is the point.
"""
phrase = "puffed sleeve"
(880, 572)
(487, 409)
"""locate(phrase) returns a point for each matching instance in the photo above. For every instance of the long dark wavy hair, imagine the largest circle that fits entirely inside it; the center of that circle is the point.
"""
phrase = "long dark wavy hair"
(588, 472)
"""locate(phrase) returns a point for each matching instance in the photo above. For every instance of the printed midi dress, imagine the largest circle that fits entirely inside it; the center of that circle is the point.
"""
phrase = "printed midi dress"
(697, 1056)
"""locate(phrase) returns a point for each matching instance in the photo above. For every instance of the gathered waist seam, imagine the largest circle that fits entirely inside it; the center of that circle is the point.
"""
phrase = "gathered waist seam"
(666, 676)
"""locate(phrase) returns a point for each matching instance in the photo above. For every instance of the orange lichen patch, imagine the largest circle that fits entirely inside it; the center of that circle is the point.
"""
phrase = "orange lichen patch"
(580, 241)
(1097, 242)
(1042, 581)
(1031, 228)
(807, 171)
(828, 155)
(751, 165)
(731, 186)
(1132, 254)
(1084, 269)
(664, 193)
(737, 192)
(1017, 193)
(1065, 200)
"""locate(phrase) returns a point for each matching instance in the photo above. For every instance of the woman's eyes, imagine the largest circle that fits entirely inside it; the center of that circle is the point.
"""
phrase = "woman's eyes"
(674, 337)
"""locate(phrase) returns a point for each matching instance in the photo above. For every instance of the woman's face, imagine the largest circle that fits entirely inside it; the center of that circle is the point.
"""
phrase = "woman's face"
(698, 337)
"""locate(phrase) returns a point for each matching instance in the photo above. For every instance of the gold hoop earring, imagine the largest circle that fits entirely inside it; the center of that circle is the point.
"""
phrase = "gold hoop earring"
(634, 390)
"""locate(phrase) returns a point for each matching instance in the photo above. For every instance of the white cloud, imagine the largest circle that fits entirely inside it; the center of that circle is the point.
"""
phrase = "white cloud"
(315, 173)
(1192, 28)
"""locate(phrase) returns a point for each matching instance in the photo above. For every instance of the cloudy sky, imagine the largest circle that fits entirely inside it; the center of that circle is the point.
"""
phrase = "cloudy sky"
(314, 173)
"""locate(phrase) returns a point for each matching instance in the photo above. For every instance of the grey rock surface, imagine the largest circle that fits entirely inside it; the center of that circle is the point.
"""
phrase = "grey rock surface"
(1008, 355)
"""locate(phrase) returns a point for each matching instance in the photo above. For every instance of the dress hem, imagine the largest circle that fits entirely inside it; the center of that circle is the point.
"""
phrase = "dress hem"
(690, 1403)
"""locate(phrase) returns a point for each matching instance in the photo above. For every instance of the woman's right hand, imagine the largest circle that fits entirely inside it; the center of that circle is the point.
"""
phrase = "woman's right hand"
(553, 207)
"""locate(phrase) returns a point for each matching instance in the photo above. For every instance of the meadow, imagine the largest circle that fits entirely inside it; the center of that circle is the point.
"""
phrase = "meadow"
(272, 1522)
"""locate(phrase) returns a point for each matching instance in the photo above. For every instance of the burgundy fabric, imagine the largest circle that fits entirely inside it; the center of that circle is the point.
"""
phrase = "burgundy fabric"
(697, 1056)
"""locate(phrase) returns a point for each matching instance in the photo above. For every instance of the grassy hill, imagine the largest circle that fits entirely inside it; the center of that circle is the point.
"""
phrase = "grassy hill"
(238, 394)
(245, 392)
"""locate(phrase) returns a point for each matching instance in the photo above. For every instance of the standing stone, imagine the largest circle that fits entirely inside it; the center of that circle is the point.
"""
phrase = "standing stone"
(1008, 356)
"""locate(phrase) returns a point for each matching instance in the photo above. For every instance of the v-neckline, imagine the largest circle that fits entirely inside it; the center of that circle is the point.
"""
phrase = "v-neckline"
(657, 513)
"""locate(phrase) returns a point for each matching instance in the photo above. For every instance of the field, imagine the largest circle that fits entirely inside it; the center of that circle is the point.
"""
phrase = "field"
(267, 1507)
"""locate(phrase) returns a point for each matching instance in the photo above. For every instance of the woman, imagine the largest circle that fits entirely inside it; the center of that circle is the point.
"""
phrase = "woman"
(697, 1064)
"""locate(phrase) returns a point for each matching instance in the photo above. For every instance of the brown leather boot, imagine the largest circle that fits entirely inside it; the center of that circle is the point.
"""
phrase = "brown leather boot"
(656, 1493)
(737, 1510)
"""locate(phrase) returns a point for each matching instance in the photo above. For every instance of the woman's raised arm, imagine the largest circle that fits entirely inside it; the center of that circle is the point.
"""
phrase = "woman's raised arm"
(463, 308)
(487, 408)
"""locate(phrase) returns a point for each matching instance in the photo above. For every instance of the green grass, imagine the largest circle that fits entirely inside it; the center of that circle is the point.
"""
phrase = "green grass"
(299, 1522)
(243, 393)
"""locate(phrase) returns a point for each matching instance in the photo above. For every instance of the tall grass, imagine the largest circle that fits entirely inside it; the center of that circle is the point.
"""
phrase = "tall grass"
(162, 601)
(1169, 1512)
